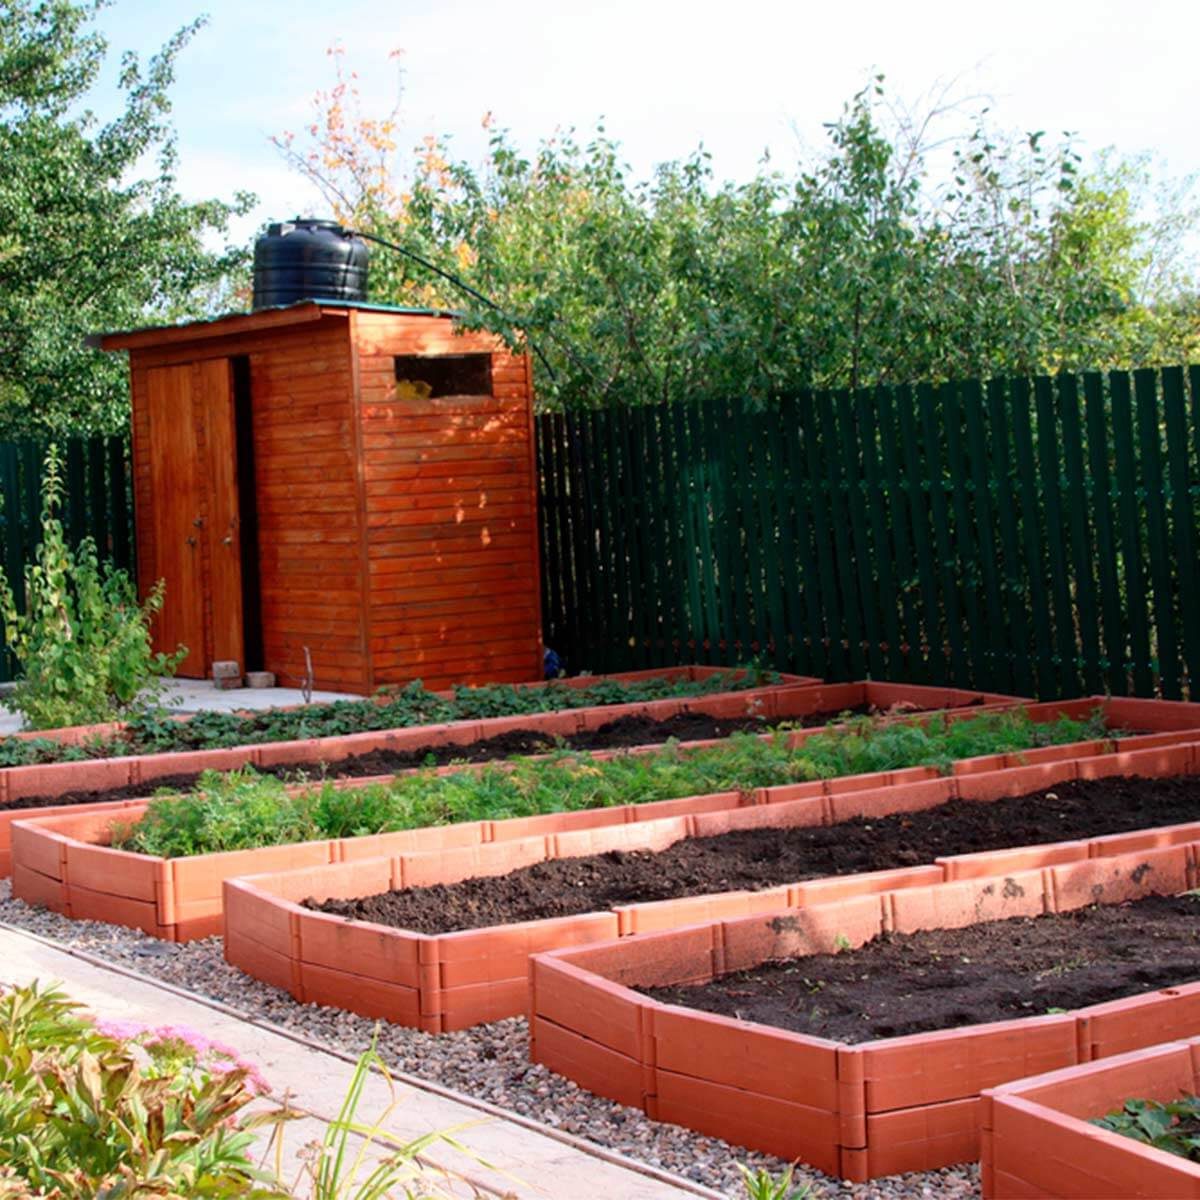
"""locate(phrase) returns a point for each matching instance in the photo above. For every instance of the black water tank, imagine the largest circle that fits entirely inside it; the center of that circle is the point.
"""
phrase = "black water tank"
(308, 260)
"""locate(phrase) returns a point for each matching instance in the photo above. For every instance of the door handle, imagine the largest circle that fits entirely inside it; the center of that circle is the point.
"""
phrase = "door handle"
(191, 541)
(227, 540)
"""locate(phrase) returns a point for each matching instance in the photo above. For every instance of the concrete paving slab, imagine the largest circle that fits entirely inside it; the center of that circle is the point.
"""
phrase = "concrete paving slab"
(202, 695)
(506, 1155)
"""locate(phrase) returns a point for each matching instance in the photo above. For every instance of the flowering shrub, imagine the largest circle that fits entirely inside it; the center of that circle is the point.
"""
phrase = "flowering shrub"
(92, 1109)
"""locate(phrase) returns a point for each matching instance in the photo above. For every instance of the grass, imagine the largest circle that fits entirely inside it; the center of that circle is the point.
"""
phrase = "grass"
(241, 809)
(157, 731)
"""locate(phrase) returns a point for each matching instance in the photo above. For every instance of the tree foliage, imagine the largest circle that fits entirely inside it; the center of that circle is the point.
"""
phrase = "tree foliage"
(93, 233)
(864, 266)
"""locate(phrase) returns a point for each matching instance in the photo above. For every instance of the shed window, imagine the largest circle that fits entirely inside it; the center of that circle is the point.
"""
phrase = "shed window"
(443, 375)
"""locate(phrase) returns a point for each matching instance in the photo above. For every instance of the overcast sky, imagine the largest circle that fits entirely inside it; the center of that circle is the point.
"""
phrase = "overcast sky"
(665, 75)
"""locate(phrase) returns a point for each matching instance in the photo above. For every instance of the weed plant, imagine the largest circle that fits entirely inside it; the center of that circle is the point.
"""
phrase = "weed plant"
(241, 809)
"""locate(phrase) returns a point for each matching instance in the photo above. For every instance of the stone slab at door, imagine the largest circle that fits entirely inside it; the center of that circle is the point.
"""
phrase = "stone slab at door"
(197, 546)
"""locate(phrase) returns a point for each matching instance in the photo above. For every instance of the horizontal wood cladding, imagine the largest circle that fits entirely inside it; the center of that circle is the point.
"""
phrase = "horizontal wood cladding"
(313, 591)
(451, 517)
(397, 539)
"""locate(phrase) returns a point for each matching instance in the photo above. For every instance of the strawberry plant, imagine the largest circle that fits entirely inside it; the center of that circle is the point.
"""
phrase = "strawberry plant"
(1173, 1127)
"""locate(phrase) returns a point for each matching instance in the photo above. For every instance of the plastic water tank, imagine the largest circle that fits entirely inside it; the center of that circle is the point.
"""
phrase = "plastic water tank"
(308, 259)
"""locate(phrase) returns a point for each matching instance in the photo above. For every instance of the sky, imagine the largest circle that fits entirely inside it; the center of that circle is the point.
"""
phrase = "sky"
(741, 78)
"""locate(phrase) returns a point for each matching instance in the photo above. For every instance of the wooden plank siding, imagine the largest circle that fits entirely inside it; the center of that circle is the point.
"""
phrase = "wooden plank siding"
(309, 520)
(450, 503)
(396, 540)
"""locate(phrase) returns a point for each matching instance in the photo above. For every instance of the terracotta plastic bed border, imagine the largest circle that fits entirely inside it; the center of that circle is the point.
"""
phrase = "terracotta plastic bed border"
(455, 980)
(51, 779)
(62, 862)
(1037, 1139)
(860, 1111)
(778, 702)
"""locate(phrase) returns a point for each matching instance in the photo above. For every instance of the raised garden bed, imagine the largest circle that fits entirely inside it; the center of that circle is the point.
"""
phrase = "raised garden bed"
(1038, 1138)
(857, 1111)
(476, 975)
(180, 897)
(785, 701)
(799, 708)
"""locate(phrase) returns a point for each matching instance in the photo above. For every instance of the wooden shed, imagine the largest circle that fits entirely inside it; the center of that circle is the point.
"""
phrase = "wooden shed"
(353, 479)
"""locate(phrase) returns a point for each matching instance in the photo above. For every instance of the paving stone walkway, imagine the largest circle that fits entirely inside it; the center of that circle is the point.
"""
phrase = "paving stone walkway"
(505, 1157)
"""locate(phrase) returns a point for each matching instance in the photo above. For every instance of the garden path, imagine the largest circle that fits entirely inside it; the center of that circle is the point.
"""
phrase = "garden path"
(523, 1160)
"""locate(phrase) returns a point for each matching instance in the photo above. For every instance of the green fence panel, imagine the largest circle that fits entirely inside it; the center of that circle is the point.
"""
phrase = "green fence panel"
(1029, 535)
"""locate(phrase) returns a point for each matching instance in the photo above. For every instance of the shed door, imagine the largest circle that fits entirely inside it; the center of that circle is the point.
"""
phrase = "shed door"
(213, 383)
(178, 508)
(193, 463)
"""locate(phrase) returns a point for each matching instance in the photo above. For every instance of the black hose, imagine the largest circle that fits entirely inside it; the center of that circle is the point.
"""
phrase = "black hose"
(458, 283)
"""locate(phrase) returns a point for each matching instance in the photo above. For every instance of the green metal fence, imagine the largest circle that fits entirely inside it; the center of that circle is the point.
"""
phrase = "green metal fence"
(97, 501)
(1029, 535)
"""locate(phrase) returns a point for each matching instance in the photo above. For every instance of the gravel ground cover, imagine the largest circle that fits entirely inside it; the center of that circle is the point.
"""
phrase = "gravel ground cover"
(488, 1063)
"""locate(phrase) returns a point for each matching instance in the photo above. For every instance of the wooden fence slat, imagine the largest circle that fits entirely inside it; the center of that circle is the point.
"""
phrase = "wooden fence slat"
(1146, 391)
(895, 665)
(1131, 533)
(916, 484)
(1183, 519)
(1064, 652)
(1083, 556)
(987, 543)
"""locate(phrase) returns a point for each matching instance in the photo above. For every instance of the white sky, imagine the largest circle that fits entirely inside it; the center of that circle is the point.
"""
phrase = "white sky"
(665, 75)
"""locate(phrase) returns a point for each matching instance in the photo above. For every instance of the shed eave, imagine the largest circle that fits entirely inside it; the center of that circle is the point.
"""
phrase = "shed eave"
(229, 324)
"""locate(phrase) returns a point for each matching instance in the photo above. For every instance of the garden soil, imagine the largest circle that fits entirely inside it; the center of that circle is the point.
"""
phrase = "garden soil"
(899, 984)
(619, 734)
(754, 859)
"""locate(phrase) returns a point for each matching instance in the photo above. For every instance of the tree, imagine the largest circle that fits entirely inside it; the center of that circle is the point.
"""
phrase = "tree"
(864, 267)
(93, 233)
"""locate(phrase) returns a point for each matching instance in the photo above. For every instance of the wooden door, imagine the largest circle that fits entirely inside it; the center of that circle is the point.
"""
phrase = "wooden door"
(213, 383)
(177, 514)
(193, 466)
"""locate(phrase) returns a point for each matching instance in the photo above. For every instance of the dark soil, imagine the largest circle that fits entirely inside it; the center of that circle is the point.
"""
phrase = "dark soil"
(945, 978)
(754, 859)
(624, 732)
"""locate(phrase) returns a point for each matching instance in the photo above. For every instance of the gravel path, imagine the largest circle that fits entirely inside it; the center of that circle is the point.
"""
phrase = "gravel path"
(488, 1062)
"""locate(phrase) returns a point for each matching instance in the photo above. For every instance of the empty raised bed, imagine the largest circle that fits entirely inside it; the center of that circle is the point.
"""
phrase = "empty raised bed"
(1039, 1136)
(855, 1109)
(472, 972)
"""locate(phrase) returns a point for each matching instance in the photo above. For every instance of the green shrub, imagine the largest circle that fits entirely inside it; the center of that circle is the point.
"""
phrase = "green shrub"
(96, 1110)
(83, 641)
(241, 809)
(88, 1110)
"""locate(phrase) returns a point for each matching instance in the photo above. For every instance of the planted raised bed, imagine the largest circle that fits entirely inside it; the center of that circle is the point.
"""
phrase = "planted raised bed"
(855, 1110)
(177, 895)
(471, 975)
(1038, 1138)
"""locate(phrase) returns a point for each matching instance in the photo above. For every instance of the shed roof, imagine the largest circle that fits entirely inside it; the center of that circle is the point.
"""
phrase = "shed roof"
(262, 318)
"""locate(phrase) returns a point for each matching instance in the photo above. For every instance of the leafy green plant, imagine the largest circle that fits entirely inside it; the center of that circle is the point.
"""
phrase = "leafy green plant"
(241, 809)
(82, 639)
(117, 1110)
(1173, 1127)
(155, 731)
(88, 1110)
(766, 1185)
(333, 1169)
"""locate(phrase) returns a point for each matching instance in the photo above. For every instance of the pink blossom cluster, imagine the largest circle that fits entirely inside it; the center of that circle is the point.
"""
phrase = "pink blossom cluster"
(209, 1054)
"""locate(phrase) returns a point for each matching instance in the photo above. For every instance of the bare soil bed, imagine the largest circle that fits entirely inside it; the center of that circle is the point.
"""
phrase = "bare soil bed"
(899, 984)
(761, 858)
